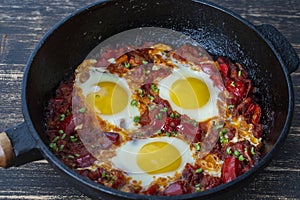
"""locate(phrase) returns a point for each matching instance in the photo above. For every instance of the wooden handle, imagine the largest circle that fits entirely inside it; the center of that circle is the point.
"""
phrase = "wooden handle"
(6, 151)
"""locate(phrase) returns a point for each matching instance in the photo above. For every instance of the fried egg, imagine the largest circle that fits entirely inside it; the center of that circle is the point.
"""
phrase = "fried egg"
(190, 92)
(145, 160)
(109, 96)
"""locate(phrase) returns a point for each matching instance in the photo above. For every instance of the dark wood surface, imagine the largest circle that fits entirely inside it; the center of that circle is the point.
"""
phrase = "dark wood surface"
(22, 25)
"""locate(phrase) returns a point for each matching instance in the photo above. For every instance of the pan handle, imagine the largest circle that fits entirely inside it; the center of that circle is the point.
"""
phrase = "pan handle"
(281, 45)
(17, 146)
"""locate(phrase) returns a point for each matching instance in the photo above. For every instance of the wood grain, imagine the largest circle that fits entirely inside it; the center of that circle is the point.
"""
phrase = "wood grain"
(24, 22)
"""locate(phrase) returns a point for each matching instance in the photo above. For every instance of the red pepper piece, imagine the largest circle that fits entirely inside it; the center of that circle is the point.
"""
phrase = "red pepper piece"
(119, 180)
(224, 68)
(230, 169)
(174, 189)
(188, 172)
(112, 136)
(256, 115)
(152, 189)
(68, 125)
(145, 118)
(238, 88)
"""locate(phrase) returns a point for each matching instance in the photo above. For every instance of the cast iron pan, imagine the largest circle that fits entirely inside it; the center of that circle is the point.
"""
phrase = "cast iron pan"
(219, 31)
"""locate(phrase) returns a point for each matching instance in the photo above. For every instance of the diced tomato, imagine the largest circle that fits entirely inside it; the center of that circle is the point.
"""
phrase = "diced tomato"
(230, 169)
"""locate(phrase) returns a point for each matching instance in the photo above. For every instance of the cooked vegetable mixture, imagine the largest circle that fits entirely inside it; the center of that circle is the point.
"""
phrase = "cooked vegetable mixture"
(156, 121)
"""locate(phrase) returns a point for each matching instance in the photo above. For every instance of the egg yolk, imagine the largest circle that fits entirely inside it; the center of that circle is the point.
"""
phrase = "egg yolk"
(110, 99)
(158, 157)
(189, 93)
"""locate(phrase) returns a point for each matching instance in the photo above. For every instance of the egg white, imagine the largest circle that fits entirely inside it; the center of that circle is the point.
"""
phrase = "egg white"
(122, 119)
(209, 110)
(126, 158)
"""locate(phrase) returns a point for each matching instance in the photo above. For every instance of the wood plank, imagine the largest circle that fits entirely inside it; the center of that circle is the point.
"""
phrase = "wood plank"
(22, 25)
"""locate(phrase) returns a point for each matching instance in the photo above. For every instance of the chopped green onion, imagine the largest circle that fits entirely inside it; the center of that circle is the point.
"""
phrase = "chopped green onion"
(228, 150)
(197, 187)
(144, 62)
(148, 72)
(154, 88)
(158, 116)
(241, 158)
(134, 102)
(236, 153)
(68, 112)
(232, 84)
(159, 132)
(60, 131)
(195, 123)
(53, 146)
(177, 114)
(165, 109)
(230, 106)
(73, 138)
(62, 117)
(223, 131)
(198, 147)
(141, 92)
(150, 97)
(199, 170)
(55, 139)
(82, 110)
(103, 175)
(168, 134)
(222, 138)
(61, 147)
(71, 156)
(137, 119)
(93, 146)
(175, 133)
(172, 115)
(127, 65)
(77, 155)
(252, 151)
(239, 73)
(63, 136)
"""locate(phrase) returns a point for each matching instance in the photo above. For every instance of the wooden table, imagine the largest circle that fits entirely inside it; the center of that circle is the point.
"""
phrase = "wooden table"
(22, 25)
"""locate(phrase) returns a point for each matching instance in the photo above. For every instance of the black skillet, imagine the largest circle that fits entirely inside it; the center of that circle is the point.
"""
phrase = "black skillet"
(269, 58)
